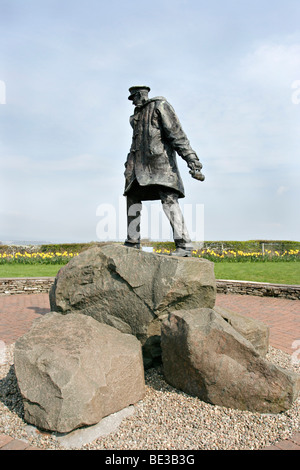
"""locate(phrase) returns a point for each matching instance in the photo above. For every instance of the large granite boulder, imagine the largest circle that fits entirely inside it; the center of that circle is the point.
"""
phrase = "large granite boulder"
(132, 290)
(72, 371)
(204, 356)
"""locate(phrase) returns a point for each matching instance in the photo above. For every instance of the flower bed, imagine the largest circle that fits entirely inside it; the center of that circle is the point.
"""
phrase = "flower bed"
(241, 256)
(37, 257)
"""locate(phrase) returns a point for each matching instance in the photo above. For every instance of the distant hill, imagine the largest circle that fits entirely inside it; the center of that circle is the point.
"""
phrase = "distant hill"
(24, 242)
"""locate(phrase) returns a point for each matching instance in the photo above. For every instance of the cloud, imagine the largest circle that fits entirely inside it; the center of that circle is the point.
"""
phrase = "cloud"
(76, 163)
(251, 124)
(281, 190)
(272, 65)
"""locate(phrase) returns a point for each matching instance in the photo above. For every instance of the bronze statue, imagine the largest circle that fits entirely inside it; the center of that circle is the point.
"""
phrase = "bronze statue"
(151, 170)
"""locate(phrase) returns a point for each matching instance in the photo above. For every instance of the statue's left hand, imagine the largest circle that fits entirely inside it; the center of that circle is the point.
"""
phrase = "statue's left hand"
(195, 165)
(195, 170)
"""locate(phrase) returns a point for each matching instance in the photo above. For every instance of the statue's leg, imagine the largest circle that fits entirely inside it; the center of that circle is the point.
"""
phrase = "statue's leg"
(134, 208)
(172, 210)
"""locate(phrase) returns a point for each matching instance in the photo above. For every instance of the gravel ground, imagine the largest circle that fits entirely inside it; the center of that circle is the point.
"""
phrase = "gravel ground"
(165, 419)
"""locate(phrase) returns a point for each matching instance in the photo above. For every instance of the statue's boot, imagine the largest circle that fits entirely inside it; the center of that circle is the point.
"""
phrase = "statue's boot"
(132, 245)
(182, 252)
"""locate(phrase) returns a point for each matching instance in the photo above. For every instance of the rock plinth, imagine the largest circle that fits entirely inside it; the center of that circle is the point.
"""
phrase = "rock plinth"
(132, 290)
(83, 361)
(72, 371)
(203, 355)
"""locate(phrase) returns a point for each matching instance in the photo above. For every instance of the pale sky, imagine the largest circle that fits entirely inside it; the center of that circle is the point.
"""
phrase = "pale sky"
(231, 70)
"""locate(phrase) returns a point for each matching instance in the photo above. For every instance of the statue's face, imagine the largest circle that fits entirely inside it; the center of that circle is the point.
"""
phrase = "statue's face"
(139, 99)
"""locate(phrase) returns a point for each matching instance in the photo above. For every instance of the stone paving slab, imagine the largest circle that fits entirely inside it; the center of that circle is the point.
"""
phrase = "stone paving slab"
(106, 426)
(17, 313)
(8, 443)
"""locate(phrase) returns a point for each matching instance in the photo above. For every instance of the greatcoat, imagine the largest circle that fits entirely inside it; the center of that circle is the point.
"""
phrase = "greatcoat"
(157, 136)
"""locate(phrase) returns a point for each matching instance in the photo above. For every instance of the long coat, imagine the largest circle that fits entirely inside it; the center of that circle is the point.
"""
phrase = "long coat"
(157, 136)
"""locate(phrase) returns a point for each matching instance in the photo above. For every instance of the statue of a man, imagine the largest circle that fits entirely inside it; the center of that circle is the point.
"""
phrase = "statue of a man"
(151, 169)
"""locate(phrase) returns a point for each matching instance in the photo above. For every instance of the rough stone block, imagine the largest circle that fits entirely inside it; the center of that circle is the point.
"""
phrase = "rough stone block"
(72, 371)
(203, 355)
(254, 330)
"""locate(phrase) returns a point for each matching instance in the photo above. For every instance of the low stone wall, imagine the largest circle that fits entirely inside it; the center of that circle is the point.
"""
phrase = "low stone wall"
(262, 289)
(25, 285)
(32, 285)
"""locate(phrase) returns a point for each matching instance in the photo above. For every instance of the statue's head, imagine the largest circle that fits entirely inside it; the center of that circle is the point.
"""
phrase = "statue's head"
(138, 95)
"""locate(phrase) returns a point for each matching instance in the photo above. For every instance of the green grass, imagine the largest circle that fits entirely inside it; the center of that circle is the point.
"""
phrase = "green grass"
(277, 273)
(29, 270)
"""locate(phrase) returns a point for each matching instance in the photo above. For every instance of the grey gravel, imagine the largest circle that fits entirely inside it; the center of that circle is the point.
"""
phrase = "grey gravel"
(166, 419)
